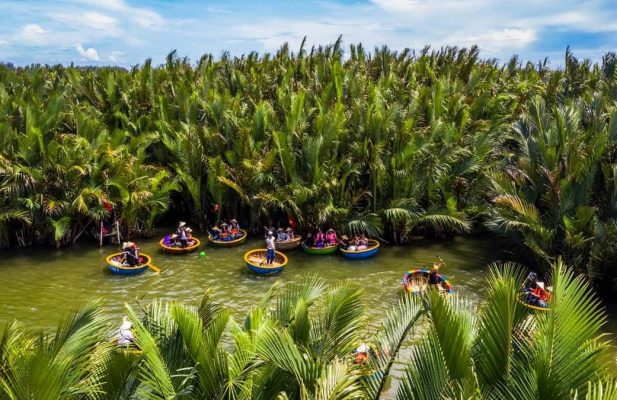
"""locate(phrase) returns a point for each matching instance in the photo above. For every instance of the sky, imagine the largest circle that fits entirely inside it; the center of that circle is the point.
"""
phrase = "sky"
(126, 32)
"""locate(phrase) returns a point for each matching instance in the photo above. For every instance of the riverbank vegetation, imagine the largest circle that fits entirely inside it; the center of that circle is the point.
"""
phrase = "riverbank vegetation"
(298, 343)
(396, 144)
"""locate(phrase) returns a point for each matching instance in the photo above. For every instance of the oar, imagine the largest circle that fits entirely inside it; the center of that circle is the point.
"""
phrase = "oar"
(154, 268)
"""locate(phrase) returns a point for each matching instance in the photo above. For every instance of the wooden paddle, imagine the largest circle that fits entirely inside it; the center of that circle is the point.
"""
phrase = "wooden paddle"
(154, 268)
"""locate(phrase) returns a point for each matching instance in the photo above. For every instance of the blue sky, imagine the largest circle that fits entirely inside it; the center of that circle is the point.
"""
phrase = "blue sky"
(125, 32)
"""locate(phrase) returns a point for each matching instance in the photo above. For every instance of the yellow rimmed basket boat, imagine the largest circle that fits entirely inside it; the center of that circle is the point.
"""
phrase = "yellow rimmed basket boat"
(417, 281)
(116, 268)
(229, 243)
(521, 299)
(126, 348)
(180, 250)
(288, 245)
(370, 251)
(256, 261)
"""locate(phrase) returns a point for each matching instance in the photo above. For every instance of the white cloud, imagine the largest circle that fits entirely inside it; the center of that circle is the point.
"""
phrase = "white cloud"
(89, 19)
(143, 17)
(495, 41)
(272, 33)
(216, 10)
(397, 5)
(99, 21)
(32, 34)
(89, 53)
(33, 29)
(115, 56)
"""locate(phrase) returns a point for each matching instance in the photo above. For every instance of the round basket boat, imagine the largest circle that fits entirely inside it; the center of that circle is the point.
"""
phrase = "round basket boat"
(416, 281)
(320, 250)
(521, 299)
(130, 348)
(256, 262)
(167, 248)
(370, 251)
(229, 243)
(113, 262)
(288, 245)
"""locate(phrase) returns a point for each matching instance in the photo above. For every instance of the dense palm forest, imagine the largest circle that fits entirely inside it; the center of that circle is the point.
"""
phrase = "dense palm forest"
(398, 145)
(298, 343)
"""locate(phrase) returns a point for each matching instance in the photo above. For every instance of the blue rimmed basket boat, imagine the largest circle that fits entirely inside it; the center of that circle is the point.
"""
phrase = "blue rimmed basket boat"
(370, 251)
(256, 261)
(113, 262)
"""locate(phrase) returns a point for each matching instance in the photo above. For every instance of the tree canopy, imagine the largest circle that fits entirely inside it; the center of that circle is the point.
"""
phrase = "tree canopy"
(394, 144)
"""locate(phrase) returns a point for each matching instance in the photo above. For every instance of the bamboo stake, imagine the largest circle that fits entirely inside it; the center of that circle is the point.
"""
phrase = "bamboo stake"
(118, 231)
(101, 236)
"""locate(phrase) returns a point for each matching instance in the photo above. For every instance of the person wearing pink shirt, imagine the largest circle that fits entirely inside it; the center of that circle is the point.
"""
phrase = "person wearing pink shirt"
(331, 238)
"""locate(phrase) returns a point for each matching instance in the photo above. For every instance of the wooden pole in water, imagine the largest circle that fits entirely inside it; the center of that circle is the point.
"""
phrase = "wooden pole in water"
(118, 231)
(101, 235)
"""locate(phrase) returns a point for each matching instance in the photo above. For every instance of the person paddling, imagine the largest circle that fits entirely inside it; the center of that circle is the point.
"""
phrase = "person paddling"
(182, 234)
(270, 248)
(130, 253)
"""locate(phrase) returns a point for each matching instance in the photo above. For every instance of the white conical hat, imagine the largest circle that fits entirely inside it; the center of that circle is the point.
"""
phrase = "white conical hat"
(126, 324)
(181, 224)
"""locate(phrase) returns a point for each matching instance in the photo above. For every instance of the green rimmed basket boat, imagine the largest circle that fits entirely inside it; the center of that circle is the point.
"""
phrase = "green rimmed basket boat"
(320, 250)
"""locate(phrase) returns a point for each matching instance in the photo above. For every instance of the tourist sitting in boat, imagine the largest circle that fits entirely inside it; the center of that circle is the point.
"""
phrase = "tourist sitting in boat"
(234, 228)
(362, 243)
(173, 240)
(331, 238)
(320, 239)
(270, 249)
(535, 294)
(182, 233)
(125, 334)
(362, 353)
(353, 244)
(433, 278)
(225, 232)
(281, 236)
(215, 233)
(344, 242)
(130, 253)
(310, 240)
(290, 233)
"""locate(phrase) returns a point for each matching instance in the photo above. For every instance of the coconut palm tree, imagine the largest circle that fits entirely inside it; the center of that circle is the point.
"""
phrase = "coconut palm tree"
(504, 351)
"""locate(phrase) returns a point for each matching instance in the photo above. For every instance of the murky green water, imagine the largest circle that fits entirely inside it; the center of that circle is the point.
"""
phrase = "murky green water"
(38, 286)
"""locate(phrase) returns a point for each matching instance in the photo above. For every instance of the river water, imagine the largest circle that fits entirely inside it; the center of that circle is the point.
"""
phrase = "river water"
(37, 287)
